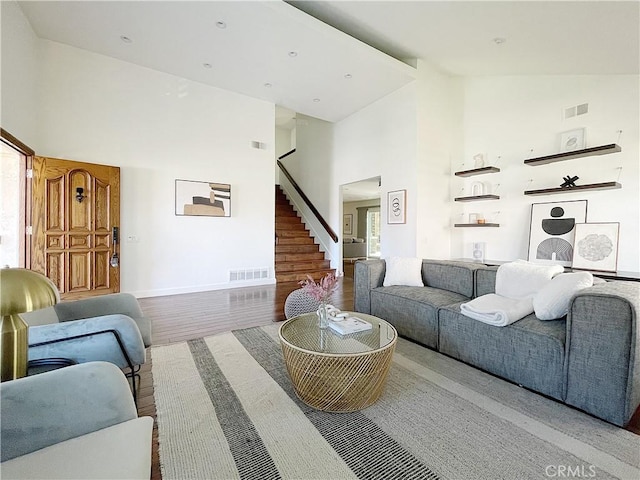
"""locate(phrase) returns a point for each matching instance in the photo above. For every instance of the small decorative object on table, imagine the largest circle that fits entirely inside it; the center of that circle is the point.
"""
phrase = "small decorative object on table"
(322, 292)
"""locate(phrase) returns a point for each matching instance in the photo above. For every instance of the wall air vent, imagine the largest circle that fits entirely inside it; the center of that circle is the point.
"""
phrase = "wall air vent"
(245, 274)
(576, 110)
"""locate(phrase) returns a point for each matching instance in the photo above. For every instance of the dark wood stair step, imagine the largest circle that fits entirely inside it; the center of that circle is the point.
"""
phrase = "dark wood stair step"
(294, 220)
(283, 240)
(297, 248)
(293, 233)
(298, 276)
(302, 266)
(281, 227)
(298, 257)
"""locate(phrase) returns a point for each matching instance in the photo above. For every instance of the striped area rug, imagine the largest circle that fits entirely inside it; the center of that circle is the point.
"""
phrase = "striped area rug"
(226, 410)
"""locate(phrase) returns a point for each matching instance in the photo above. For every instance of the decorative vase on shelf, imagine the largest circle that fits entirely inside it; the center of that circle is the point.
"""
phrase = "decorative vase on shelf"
(323, 316)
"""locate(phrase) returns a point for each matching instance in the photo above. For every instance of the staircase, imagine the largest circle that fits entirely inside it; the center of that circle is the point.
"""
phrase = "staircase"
(296, 253)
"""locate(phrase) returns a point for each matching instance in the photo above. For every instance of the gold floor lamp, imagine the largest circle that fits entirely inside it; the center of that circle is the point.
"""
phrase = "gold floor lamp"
(21, 291)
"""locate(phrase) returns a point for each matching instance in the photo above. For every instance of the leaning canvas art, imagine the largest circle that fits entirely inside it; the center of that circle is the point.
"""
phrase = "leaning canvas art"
(553, 229)
(209, 199)
(596, 246)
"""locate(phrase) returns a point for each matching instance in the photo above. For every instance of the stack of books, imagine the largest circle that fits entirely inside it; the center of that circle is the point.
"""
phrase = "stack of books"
(349, 324)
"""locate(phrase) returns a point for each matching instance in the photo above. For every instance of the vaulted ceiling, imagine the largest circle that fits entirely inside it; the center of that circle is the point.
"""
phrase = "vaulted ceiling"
(280, 52)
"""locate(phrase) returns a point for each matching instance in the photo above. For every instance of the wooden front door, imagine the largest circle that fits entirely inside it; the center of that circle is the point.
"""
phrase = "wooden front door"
(75, 207)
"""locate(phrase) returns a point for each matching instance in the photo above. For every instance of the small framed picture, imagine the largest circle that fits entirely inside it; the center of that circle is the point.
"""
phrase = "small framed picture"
(572, 140)
(473, 218)
(347, 224)
(396, 207)
(596, 247)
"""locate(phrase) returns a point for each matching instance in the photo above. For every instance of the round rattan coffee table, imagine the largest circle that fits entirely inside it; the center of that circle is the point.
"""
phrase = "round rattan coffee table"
(333, 372)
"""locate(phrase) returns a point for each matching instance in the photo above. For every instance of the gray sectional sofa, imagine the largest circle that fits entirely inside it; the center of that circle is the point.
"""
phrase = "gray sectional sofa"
(589, 359)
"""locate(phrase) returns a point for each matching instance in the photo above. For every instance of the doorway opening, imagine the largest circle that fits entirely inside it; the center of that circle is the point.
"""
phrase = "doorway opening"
(361, 222)
(13, 215)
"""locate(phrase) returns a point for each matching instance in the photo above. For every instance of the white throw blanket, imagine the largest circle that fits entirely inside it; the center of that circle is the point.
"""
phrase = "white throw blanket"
(516, 285)
(497, 310)
(522, 279)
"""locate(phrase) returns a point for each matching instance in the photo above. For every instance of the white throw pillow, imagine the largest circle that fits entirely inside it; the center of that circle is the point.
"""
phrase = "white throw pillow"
(552, 301)
(403, 271)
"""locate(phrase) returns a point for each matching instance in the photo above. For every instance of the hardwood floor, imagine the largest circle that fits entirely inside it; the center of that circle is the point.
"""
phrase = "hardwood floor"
(178, 318)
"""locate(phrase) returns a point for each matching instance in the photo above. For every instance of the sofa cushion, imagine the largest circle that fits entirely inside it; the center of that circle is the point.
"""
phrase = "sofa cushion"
(413, 311)
(448, 275)
(552, 301)
(529, 352)
(403, 271)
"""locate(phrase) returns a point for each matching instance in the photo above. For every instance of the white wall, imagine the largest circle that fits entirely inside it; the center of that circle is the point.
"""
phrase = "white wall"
(283, 141)
(516, 118)
(159, 128)
(380, 140)
(18, 99)
(439, 133)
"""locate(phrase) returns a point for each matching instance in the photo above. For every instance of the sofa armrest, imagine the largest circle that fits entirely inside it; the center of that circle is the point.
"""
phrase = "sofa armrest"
(603, 365)
(43, 316)
(122, 451)
(52, 407)
(89, 343)
(122, 303)
(367, 275)
(113, 304)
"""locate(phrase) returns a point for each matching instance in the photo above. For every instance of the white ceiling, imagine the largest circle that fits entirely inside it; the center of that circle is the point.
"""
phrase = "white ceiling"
(251, 55)
(541, 37)
(363, 190)
(179, 37)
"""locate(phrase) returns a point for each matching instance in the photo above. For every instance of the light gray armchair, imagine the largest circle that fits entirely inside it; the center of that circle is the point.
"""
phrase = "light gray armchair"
(109, 328)
(71, 423)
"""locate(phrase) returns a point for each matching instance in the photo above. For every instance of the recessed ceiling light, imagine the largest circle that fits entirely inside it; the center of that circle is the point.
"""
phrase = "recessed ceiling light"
(293, 53)
(499, 40)
(268, 85)
(207, 65)
(316, 100)
(125, 39)
(348, 75)
(221, 24)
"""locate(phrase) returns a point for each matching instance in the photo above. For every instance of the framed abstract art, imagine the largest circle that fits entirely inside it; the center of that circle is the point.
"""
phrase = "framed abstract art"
(552, 231)
(396, 207)
(203, 199)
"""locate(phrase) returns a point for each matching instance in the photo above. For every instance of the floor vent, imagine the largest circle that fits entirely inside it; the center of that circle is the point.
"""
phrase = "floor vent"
(248, 274)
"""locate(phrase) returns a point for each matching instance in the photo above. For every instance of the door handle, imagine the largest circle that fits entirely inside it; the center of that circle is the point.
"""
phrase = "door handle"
(115, 260)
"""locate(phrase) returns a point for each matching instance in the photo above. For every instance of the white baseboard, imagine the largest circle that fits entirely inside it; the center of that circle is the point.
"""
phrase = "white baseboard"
(201, 288)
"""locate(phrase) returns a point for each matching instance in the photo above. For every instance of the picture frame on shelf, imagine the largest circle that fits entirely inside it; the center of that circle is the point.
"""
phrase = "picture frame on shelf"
(347, 224)
(552, 231)
(396, 207)
(572, 140)
(596, 246)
